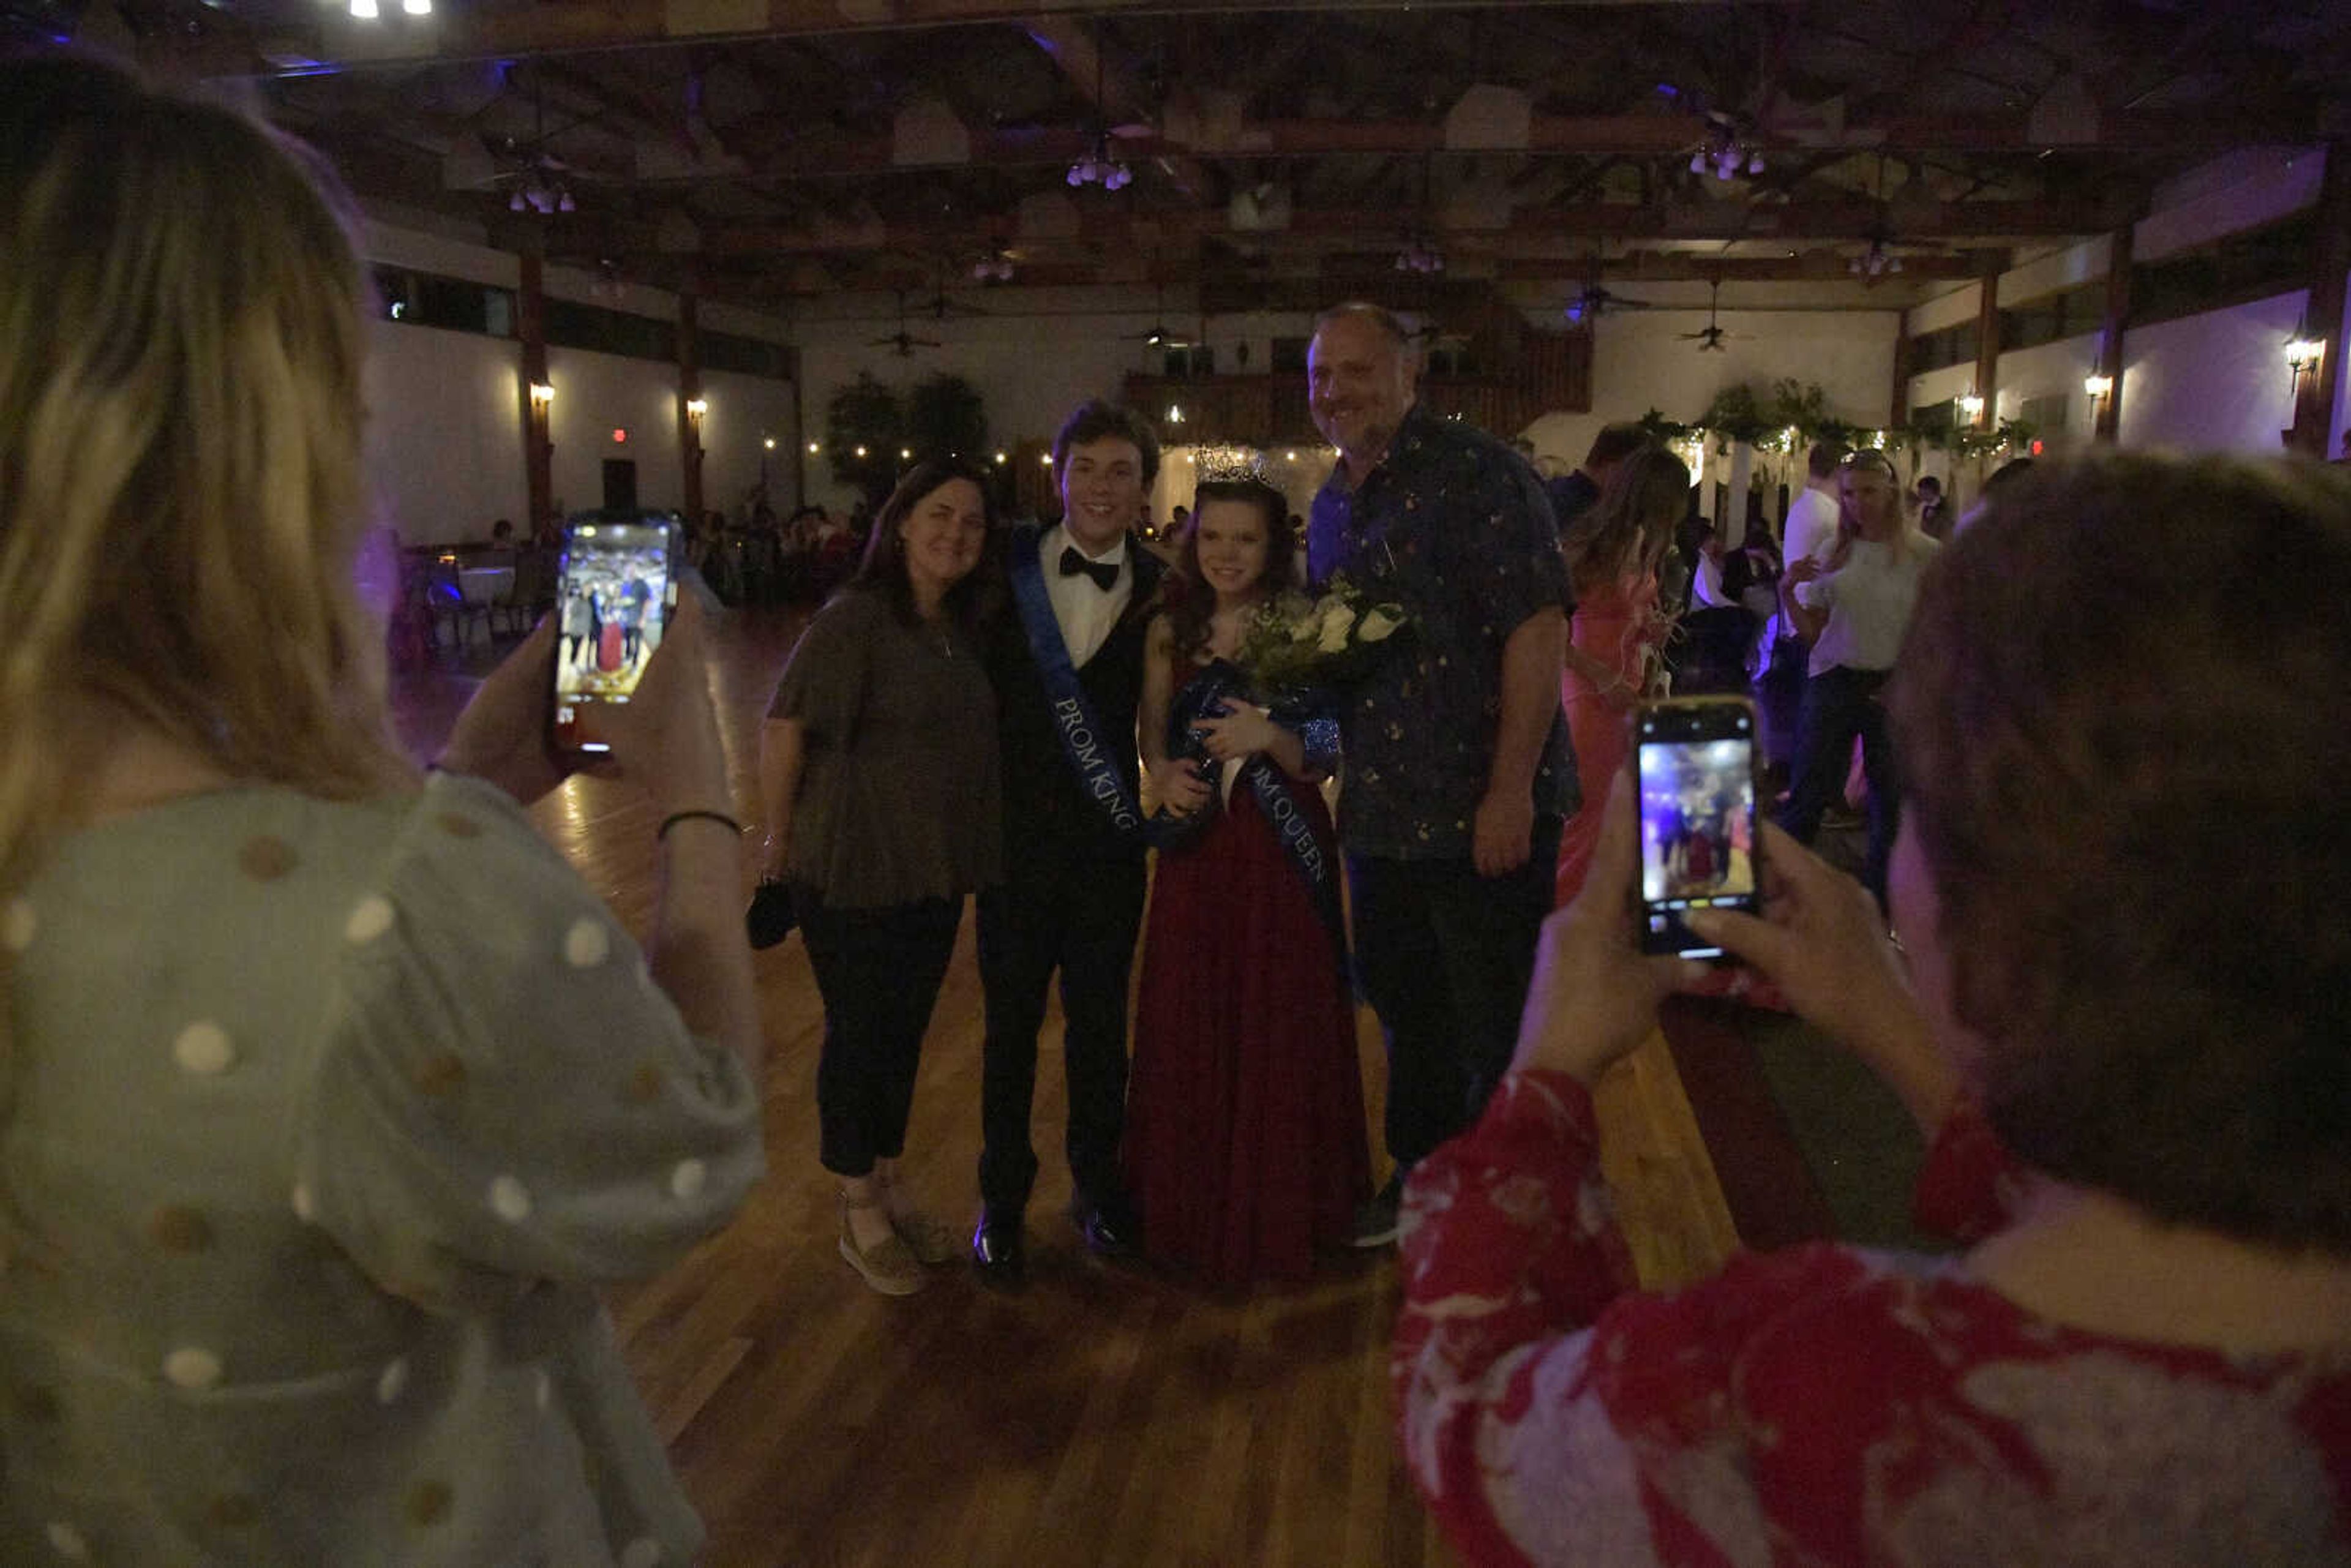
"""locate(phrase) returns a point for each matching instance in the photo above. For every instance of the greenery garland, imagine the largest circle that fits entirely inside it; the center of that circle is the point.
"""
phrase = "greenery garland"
(1737, 415)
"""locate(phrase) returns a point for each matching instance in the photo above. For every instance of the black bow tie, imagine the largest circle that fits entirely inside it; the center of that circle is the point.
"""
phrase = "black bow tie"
(1104, 572)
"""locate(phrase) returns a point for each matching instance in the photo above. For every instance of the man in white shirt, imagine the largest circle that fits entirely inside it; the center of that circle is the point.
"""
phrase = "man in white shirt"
(1811, 525)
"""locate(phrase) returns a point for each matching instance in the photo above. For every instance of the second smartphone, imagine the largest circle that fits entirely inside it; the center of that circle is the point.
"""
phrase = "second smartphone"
(613, 599)
(1694, 759)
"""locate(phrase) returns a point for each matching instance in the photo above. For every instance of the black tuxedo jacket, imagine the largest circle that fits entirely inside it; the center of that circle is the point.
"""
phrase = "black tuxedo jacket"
(1048, 819)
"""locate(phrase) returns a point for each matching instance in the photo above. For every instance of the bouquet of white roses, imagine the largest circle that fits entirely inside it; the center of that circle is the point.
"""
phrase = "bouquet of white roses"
(1297, 642)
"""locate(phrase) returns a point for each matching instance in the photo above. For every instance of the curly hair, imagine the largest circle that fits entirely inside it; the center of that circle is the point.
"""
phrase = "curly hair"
(2125, 721)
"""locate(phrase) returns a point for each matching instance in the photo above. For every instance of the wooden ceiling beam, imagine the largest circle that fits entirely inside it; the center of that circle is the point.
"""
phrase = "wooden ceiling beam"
(1620, 136)
(1970, 221)
(333, 41)
(1681, 267)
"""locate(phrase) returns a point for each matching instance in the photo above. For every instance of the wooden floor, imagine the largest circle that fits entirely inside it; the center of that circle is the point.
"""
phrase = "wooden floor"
(1106, 1417)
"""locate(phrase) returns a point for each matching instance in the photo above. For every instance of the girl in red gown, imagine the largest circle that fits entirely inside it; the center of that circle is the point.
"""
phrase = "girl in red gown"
(1244, 1135)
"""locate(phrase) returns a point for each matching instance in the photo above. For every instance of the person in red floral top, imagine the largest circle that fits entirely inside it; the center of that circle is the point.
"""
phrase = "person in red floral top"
(2120, 1019)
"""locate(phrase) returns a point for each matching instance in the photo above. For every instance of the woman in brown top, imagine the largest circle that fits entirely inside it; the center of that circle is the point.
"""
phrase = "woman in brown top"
(878, 770)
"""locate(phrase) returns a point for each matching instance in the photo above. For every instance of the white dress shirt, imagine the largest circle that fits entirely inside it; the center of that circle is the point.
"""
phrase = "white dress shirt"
(1811, 526)
(1086, 613)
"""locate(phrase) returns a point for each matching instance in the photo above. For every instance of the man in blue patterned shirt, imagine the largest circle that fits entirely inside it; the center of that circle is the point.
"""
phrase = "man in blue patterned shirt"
(1457, 771)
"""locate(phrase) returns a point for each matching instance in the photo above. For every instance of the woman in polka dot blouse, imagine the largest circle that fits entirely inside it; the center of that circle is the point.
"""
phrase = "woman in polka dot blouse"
(329, 1097)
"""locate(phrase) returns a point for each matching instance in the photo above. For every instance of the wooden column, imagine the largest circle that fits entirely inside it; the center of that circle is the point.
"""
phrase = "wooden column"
(1987, 343)
(2108, 417)
(1898, 407)
(689, 391)
(538, 442)
(2330, 274)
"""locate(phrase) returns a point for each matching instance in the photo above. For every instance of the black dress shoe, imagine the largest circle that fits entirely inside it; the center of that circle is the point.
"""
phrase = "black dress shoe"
(997, 1250)
(1109, 1226)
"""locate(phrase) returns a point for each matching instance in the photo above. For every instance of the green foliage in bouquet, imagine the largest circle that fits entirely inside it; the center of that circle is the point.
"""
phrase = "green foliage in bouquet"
(1298, 641)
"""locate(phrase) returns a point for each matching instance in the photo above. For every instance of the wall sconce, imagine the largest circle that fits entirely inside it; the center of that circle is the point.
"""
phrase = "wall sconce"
(1971, 407)
(2302, 353)
(768, 441)
(1174, 414)
(2097, 386)
(815, 448)
(696, 407)
(542, 396)
(861, 451)
(999, 460)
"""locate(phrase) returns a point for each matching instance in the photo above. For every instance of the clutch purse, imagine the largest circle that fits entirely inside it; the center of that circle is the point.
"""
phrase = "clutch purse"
(770, 918)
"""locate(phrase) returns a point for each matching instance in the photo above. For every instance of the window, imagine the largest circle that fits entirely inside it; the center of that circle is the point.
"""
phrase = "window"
(1940, 350)
(1189, 363)
(570, 325)
(2253, 264)
(745, 356)
(423, 299)
(2067, 313)
(1936, 418)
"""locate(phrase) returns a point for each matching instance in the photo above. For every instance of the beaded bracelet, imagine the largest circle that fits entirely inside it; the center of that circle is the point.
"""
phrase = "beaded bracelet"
(674, 817)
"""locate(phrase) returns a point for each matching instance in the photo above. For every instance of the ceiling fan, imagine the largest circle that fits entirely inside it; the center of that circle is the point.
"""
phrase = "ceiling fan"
(902, 343)
(1595, 299)
(1709, 337)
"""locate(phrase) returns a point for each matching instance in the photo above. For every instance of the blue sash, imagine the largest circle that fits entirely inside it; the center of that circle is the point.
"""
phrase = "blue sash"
(1082, 741)
(1276, 796)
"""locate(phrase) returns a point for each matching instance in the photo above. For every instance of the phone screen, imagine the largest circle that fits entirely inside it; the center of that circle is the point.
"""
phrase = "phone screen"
(1697, 762)
(612, 597)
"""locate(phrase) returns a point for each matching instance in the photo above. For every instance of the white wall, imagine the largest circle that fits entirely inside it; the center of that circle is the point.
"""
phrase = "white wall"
(596, 395)
(1641, 362)
(444, 449)
(2217, 379)
(2214, 380)
(444, 454)
(745, 412)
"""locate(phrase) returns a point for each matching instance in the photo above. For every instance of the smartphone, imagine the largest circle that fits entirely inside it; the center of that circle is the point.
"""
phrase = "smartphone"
(1695, 763)
(614, 593)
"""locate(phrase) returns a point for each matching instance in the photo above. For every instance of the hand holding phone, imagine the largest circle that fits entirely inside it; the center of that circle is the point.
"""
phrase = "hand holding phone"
(1595, 996)
(1693, 765)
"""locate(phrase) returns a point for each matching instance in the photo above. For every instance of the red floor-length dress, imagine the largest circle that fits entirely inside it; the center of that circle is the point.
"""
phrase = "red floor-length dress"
(1613, 627)
(1245, 1134)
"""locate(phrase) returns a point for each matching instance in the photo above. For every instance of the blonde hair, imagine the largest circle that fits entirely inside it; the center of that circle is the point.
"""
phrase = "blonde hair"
(180, 347)
(1626, 530)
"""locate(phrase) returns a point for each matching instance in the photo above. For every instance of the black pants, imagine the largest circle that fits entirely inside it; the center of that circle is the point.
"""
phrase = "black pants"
(879, 972)
(1840, 705)
(1444, 957)
(1081, 919)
